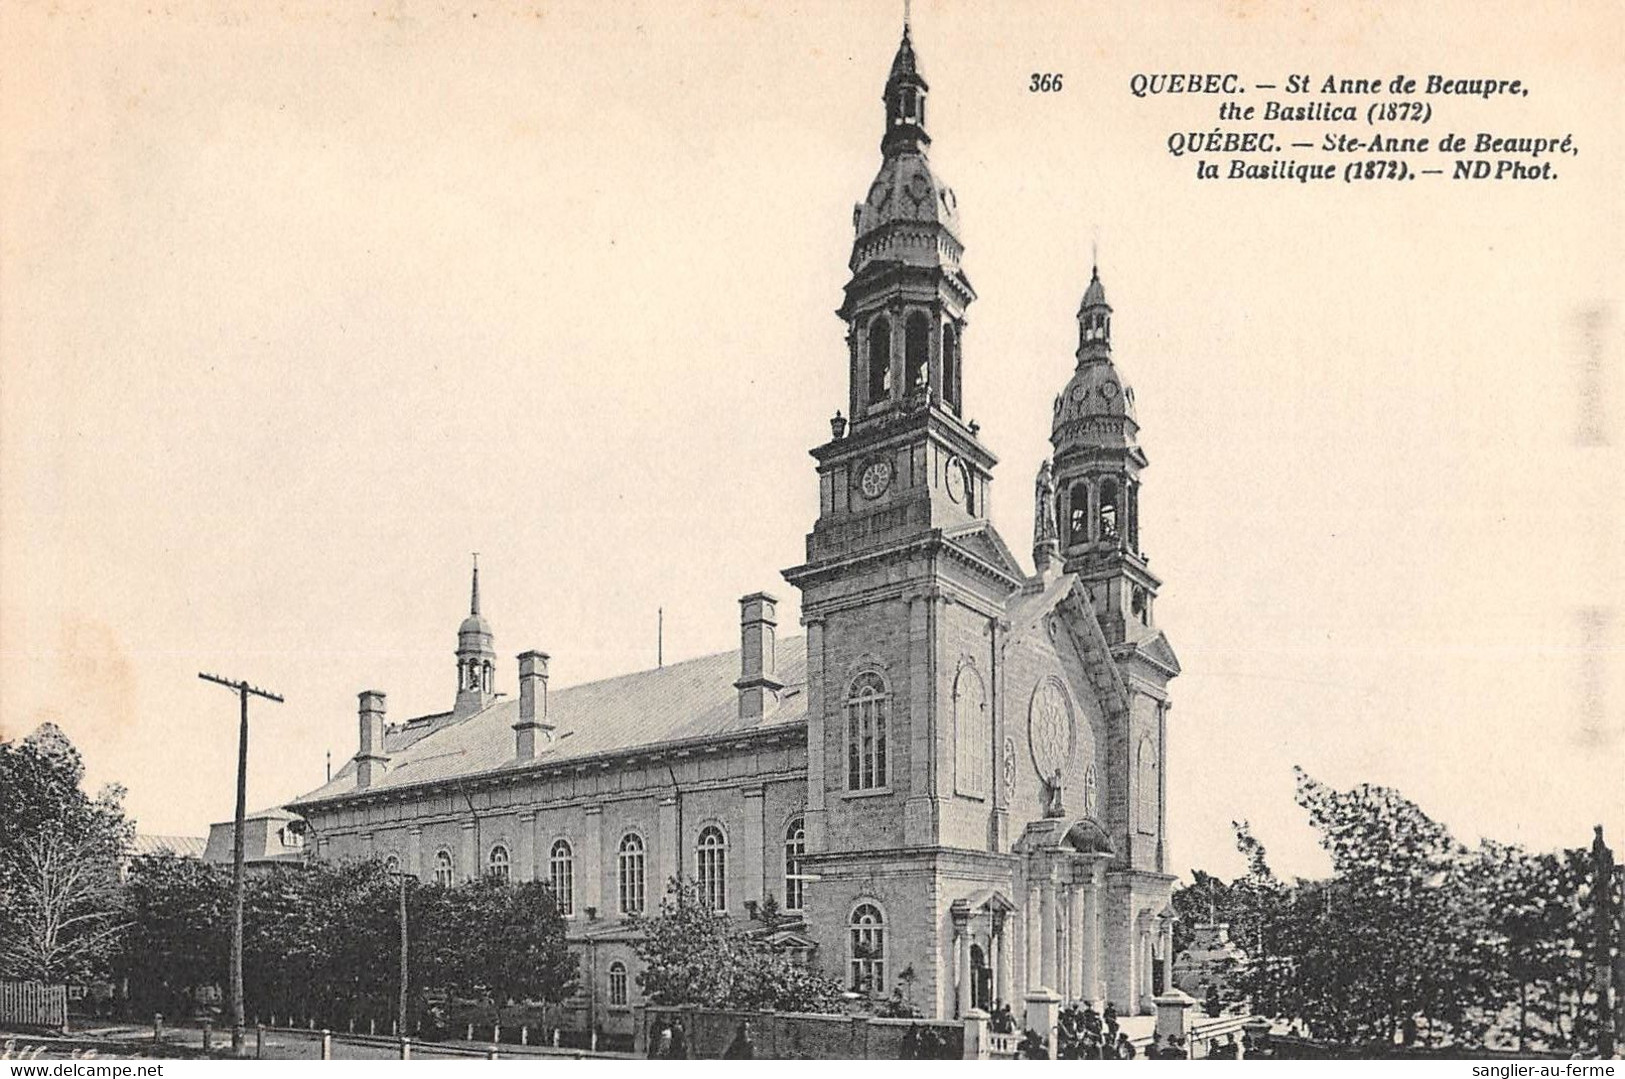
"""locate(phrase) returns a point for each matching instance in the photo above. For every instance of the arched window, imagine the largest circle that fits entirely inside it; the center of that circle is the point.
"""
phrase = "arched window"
(1146, 780)
(879, 359)
(392, 864)
(950, 366)
(917, 352)
(868, 950)
(629, 867)
(444, 873)
(973, 737)
(1108, 509)
(795, 846)
(866, 733)
(711, 867)
(561, 864)
(908, 102)
(1077, 527)
(497, 867)
(617, 984)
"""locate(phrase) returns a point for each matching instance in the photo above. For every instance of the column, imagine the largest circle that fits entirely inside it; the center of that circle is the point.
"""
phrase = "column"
(1001, 964)
(541, 848)
(962, 969)
(1091, 939)
(414, 851)
(668, 851)
(752, 826)
(592, 863)
(470, 867)
(1048, 917)
(1167, 949)
(366, 846)
(1077, 942)
(1032, 931)
(815, 735)
(916, 694)
(524, 862)
(1144, 962)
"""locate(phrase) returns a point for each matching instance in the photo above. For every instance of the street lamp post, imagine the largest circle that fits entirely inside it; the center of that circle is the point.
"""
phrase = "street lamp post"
(243, 690)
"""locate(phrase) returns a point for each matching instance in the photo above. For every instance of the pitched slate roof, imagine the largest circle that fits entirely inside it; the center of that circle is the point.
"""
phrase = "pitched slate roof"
(182, 846)
(679, 702)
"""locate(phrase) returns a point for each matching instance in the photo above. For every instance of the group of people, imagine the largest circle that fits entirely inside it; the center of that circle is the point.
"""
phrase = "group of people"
(1082, 1033)
(669, 1042)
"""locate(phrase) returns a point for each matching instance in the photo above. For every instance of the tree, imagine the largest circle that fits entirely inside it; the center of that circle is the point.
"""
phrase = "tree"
(1412, 934)
(503, 939)
(692, 955)
(64, 909)
(177, 939)
(59, 856)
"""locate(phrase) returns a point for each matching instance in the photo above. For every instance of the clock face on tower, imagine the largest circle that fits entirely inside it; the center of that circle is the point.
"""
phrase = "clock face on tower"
(957, 480)
(876, 478)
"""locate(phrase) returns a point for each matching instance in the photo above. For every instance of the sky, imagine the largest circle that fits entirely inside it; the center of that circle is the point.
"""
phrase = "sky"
(301, 304)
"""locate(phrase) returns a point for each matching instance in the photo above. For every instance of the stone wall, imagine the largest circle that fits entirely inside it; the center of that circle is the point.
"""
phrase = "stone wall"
(795, 1036)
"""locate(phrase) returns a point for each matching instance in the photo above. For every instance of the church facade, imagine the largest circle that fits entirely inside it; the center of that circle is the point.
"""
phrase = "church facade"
(953, 780)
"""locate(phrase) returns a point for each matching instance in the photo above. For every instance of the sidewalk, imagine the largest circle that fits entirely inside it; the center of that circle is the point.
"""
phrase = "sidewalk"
(129, 1040)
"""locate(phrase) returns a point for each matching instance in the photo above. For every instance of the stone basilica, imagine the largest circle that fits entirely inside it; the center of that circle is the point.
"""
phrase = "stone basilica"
(956, 770)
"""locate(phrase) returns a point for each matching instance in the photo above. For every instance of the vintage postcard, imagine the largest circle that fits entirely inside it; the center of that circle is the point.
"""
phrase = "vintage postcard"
(864, 530)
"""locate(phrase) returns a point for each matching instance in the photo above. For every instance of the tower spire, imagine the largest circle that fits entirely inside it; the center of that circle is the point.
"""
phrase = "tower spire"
(476, 658)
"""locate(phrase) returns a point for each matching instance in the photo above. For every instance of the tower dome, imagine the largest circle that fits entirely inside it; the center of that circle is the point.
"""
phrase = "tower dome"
(906, 192)
(1096, 409)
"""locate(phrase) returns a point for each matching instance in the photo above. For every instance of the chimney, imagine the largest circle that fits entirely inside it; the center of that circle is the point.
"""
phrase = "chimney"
(532, 705)
(369, 760)
(758, 660)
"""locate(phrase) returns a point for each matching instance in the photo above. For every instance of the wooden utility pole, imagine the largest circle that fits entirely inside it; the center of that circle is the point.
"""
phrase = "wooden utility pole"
(243, 689)
(1602, 900)
(401, 1009)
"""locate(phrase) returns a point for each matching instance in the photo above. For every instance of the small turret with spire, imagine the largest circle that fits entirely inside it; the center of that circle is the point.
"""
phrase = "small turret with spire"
(1098, 461)
(905, 101)
(476, 655)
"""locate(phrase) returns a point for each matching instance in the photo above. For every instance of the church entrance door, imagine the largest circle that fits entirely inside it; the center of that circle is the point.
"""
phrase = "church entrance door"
(981, 979)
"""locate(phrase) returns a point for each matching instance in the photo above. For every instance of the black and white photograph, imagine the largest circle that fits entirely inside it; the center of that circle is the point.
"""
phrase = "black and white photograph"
(827, 530)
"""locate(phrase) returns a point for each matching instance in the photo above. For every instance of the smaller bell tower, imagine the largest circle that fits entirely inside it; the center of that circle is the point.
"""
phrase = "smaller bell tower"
(476, 656)
(1097, 468)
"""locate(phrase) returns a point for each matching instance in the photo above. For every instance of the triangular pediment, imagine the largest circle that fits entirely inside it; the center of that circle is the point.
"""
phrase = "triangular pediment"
(1066, 597)
(1163, 652)
(983, 542)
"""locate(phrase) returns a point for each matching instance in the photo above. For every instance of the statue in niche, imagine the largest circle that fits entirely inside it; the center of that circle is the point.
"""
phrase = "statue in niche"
(1044, 527)
(1054, 806)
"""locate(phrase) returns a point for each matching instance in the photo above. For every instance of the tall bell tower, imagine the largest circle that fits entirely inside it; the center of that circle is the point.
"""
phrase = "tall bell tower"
(904, 578)
(1097, 467)
(905, 460)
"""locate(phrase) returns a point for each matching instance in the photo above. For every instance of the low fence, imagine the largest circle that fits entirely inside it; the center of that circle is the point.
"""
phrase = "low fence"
(33, 1004)
(1208, 1034)
(1003, 1046)
(798, 1036)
